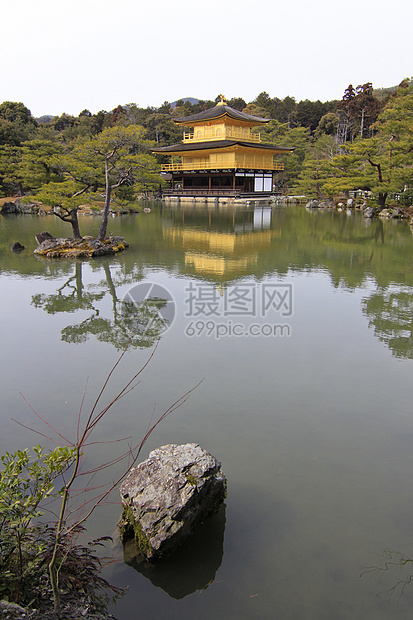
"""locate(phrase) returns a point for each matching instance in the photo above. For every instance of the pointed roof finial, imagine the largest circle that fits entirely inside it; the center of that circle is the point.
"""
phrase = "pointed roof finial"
(223, 100)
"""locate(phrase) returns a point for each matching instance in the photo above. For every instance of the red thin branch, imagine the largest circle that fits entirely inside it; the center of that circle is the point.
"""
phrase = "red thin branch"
(100, 499)
(80, 410)
(44, 421)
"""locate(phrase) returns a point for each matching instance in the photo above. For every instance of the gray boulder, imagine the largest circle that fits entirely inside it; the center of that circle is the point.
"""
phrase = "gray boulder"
(43, 236)
(385, 214)
(8, 207)
(312, 204)
(397, 212)
(25, 207)
(368, 212)
(168, 496)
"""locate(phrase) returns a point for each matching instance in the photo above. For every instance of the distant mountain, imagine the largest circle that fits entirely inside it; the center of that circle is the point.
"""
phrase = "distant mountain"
(191, 100)
(45, 119)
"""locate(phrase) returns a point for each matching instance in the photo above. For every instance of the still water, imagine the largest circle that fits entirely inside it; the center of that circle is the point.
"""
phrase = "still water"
(300, 326)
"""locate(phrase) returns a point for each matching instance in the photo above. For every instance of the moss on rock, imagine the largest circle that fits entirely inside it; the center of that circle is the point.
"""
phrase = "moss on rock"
(87, 247)
(129, 528)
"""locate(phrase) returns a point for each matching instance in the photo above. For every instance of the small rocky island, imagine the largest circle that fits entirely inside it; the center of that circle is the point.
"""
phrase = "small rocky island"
(85, 247)
(168, 496)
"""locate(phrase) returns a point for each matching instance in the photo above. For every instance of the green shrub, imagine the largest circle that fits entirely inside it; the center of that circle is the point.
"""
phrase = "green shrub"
(24, 484)
(27, 545)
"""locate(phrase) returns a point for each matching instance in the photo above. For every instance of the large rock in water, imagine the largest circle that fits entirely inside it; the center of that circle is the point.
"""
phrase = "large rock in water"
(167, 496)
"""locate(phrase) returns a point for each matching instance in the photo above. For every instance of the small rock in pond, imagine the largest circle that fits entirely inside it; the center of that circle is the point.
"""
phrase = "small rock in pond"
(16, 247)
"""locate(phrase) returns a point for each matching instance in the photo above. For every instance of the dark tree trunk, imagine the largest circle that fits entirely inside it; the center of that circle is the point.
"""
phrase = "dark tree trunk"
(103, 227)
(382, 195)
(75, 224)
(382, 199)
(319, 192)
(71, 218)
(47, 172)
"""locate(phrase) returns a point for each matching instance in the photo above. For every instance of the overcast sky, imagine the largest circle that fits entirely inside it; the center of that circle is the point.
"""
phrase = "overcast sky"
(67, 56)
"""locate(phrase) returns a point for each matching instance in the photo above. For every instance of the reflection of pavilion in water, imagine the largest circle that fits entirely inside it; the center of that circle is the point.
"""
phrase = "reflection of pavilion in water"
(224, 253)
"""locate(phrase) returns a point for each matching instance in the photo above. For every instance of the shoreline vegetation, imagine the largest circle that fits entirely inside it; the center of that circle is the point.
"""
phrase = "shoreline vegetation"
(361, 143)
(86, 244)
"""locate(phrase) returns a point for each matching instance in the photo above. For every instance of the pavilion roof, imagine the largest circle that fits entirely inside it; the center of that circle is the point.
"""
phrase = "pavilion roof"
(218, 144)
(218, 111)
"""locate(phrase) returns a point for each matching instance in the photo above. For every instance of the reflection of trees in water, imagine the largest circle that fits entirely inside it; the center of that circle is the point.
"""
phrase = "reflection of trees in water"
(395, 572)
(390, 314)
(129, 324)
(69, 297)
(144, 320)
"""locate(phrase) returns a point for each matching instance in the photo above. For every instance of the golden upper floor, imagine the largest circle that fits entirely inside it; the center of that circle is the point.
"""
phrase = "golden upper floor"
(221, 131)
(221, 123)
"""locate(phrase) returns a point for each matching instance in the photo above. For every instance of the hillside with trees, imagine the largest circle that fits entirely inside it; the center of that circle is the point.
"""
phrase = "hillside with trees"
(363, 141)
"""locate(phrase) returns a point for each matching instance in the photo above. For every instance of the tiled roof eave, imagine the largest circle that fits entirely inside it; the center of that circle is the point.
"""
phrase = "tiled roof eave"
(221, 144)
(219, 111)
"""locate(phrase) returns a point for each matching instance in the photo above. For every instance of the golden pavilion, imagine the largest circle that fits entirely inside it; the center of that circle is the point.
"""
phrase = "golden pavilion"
(221, 156)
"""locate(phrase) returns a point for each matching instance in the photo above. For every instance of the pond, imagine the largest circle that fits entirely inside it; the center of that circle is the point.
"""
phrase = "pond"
(299, 325)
